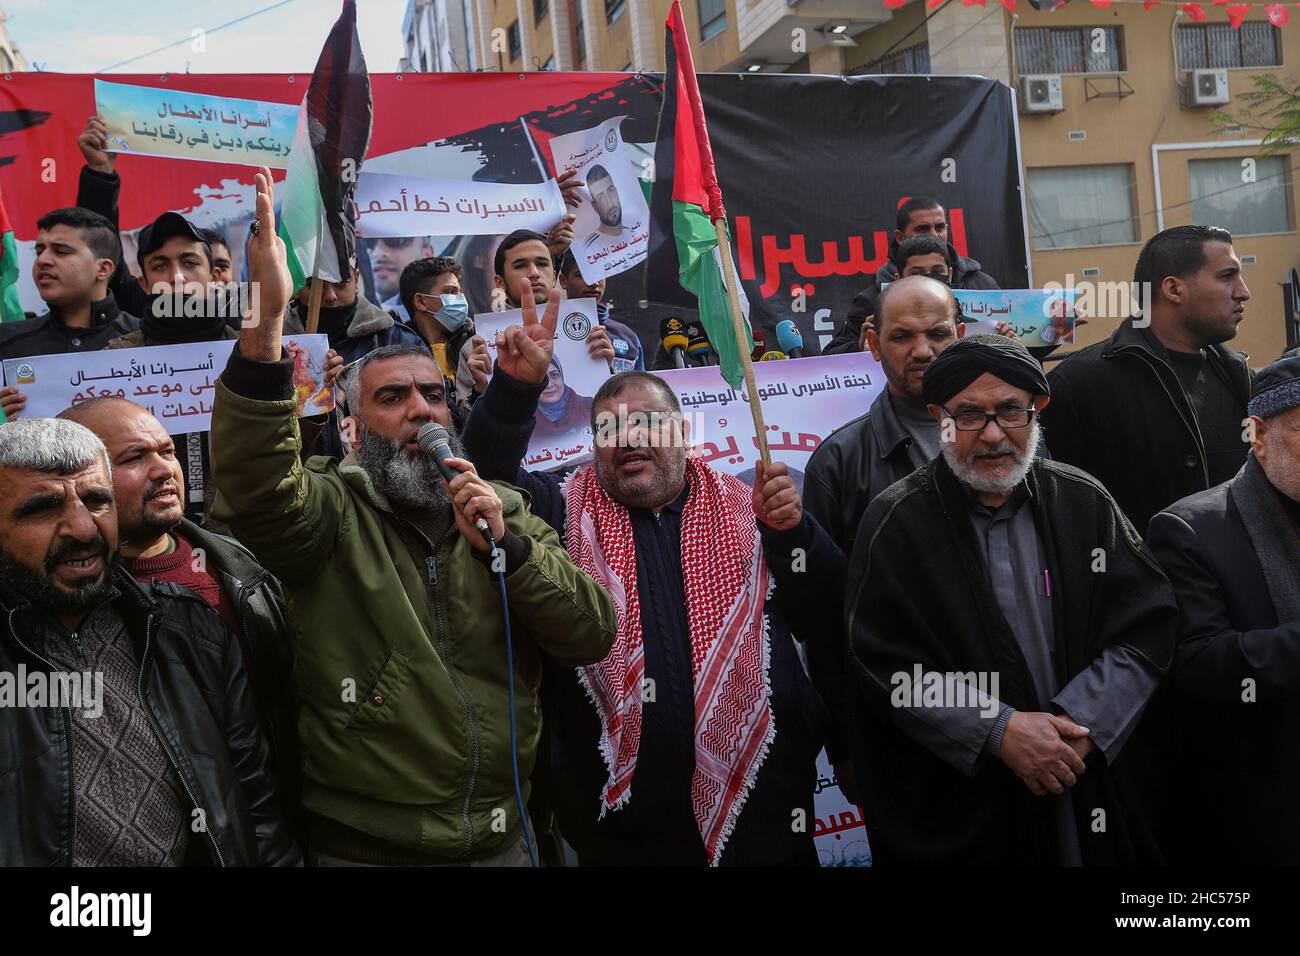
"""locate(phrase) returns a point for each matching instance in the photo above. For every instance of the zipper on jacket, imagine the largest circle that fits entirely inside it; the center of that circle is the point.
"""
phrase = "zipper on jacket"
(440, 645)
(157, 729)
(67, 722)
(1195, 427)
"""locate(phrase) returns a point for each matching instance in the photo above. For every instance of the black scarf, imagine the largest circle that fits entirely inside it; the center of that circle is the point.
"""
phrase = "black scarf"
(180, 328)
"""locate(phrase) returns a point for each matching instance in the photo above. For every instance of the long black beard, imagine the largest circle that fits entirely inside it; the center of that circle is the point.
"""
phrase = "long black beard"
(40, 589)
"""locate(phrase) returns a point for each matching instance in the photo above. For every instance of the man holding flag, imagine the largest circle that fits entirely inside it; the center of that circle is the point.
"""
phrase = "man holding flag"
(695, 741)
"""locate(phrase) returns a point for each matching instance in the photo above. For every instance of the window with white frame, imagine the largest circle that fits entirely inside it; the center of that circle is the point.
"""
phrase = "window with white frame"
(1245, 195)
(1082, 206)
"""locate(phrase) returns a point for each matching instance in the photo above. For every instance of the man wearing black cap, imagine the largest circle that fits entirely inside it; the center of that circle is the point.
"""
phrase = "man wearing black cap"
(1233, 555)
(1006, 629)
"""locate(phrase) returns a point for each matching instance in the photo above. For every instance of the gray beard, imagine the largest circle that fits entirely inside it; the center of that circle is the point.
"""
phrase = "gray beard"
(969, 476)
(409, 481)
(1282, 471)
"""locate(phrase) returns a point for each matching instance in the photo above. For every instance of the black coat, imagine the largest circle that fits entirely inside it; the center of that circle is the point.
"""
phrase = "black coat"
(967, 275)
(918, 593)
(48, 335)
(1119, 412)
(1238, 779)
(193, 683)
(259, 603)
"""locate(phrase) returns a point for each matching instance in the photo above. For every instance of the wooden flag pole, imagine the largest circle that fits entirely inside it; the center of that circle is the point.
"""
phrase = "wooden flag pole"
(738, 325)
(317, 287)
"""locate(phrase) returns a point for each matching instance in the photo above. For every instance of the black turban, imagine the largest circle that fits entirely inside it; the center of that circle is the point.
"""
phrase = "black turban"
(969, 358)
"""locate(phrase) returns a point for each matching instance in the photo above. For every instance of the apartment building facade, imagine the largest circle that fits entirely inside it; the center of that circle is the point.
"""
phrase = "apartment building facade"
(1118, 139)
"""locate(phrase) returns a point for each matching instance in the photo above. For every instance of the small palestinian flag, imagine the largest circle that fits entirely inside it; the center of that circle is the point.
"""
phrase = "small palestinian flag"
(11, 310)
(685, 202)
(333, 133)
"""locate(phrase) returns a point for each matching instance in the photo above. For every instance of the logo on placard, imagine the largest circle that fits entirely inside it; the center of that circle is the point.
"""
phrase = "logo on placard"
(611, 141)
(25, 374)
(576, 326)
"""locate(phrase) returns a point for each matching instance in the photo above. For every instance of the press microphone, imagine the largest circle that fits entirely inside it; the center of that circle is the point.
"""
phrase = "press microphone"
(773, 355)
(434, 442)
(673, 336)
(760, 345)
(699, 347)
(789, 338)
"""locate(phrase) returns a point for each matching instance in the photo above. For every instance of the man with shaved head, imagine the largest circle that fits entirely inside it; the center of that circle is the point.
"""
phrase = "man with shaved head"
(917, 318)
(1006, 631)
(160, 545)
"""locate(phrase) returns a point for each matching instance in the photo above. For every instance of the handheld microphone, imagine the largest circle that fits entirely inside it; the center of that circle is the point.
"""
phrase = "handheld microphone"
(775, 355)
(673, 336)
(789, 338)
(434, 442)
(760, 345)
(699, 347)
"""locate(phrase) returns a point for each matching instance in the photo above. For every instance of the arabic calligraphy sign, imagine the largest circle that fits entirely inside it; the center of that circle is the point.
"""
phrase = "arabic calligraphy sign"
(148, 121)
(1039, 316)
(611, 228)
(803, 400)
(177, 383)
(391, 206)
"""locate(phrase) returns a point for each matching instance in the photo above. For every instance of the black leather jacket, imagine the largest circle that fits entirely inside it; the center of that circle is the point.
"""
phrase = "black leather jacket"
(268, 653)
(854, 464)
(197, 700)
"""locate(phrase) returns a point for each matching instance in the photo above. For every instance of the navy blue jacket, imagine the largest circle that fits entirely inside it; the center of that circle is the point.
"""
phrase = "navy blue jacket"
(657, 826)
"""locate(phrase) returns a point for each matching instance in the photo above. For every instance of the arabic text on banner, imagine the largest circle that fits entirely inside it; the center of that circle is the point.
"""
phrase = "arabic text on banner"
(562, 435)
(148, 121)
(1038, 316)
(392, 206)
(803, 401)
(611, 229)
(176, 383)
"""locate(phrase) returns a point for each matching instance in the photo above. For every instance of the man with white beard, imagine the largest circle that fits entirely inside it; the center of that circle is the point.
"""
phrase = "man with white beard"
(989, 568)
(1233, 554)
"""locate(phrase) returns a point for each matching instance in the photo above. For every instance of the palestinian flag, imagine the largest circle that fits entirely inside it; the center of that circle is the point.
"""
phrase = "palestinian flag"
(684, 203)
(11, 310)
(319, 208)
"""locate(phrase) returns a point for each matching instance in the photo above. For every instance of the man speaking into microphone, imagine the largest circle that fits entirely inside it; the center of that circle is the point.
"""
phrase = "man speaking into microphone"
(400, 661)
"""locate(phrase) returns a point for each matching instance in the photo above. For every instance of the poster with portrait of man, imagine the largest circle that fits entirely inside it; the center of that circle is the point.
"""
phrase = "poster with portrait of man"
(611, 228)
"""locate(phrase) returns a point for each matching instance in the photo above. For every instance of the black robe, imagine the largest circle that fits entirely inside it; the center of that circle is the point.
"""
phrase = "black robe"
(918, 592)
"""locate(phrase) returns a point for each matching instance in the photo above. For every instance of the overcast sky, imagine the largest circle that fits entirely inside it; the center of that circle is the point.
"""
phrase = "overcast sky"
(87, 36)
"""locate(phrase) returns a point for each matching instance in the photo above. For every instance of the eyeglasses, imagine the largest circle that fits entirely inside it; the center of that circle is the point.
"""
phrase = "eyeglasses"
(978, 421)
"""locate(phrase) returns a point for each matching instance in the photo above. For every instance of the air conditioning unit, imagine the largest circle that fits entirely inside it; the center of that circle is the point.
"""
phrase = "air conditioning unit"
(1041, 93)
(1207, 87)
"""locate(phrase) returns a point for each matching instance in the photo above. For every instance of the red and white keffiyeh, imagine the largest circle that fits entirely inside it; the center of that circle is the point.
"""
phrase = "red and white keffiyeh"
(726, 583)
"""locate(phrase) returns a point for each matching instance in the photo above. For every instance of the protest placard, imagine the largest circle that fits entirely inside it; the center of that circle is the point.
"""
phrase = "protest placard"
(1038, 316)
(148, 121)
(176, 383)
(611, 228)
(391, 206)
(562, 436)
(803, 400)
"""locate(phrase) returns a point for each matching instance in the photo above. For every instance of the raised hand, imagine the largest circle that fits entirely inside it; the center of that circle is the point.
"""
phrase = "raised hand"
(268, 274)
(480, 363)
(570, 187)
(561, 237)
(524, 351)
(93, 142)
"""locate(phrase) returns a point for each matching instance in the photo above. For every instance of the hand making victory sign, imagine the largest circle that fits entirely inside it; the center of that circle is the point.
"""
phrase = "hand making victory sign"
(524, 351)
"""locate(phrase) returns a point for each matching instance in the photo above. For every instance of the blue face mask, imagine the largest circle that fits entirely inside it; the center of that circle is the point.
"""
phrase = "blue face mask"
(454, 312)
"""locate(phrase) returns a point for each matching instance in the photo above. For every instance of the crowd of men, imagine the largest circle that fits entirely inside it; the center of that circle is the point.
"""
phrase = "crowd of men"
(1033, 618)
